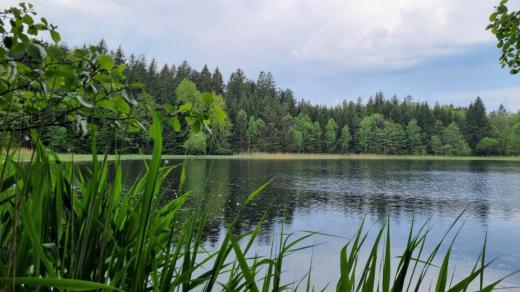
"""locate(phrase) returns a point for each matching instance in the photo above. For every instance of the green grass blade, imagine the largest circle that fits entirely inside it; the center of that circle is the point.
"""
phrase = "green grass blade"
(249, 277)
(68, 284)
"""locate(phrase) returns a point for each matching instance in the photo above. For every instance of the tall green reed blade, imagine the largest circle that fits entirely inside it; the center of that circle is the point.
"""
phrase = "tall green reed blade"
(432, 255)
(246, 271)
(155, 133)
(387, 260)
(62, 284)
(226, 245)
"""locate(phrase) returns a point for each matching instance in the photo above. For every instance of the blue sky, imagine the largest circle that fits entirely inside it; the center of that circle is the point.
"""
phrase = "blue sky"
(324, 50)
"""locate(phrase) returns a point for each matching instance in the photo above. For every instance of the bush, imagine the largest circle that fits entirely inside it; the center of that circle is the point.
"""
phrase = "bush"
(487, 146)
(196, 144)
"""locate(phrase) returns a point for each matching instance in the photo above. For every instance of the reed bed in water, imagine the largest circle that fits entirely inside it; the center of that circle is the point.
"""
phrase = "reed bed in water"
(62, 230)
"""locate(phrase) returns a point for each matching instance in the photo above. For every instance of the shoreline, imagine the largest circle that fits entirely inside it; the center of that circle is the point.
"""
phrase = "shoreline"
(25, 156)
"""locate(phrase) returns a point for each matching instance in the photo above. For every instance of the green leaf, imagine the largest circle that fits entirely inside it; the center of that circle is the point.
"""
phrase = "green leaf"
(68, 284)
(121, 105)
(185, 107)
(252, 195)
(220, 114)
(12, 70)
(246, 270)
(443, 273)
(169, 108)
(105, 62)
(106, 104)
(55, 36)
(195, 126)
(128, 98)
(27, 19)
(493, 16)
(83, 102)
(121, 68)
(176, 125)
(36, 52)
(207, 97)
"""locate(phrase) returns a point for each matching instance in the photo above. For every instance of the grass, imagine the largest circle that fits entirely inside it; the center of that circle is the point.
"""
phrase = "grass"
(65, 231)
(25, 154)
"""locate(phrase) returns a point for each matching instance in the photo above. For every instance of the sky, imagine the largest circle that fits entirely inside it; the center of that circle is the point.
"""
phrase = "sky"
(324, 50)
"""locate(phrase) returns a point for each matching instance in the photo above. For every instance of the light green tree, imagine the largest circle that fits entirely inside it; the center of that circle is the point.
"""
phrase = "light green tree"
(318, 133)
(487, 146)
(453, 140)
(390, 139)
(306, 127)
(296, 140)
(436, 145)
(413, 137)
(187, 93)
(196, 143)
(345, 138)
(331, 130)
(366, 130)
(255, 128)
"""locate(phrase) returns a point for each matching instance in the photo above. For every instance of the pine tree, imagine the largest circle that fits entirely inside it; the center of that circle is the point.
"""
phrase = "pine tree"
(235, 96)
(119, 56)
(217, 82)
(476, 124)
(102, 46)
(205, 83)
(240, 133)
(151, 79)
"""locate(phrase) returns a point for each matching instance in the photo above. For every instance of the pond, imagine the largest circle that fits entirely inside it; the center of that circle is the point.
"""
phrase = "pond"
(333, 196)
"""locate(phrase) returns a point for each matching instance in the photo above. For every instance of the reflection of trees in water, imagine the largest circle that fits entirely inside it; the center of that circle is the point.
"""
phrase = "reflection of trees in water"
(353, 187)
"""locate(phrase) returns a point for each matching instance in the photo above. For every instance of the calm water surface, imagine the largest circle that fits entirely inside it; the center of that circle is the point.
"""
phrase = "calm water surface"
(332, 196)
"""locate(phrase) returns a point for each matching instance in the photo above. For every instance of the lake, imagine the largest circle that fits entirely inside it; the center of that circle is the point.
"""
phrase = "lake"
(333, 196)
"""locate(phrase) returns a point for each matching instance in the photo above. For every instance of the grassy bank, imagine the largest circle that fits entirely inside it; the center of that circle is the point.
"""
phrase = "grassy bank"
(25, 154)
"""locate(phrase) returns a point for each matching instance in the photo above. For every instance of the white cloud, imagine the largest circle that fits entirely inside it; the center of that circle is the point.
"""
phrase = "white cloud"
(316, 46)
(340, 32)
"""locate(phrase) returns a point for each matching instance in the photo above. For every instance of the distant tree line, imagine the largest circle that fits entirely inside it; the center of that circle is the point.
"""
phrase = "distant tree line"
(263, 117)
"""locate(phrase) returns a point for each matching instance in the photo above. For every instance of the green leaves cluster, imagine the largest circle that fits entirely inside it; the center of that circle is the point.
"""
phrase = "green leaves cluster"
(44, 85)
(504, 24)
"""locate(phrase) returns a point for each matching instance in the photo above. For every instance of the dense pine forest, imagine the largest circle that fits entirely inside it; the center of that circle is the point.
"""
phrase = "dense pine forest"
(264, 118)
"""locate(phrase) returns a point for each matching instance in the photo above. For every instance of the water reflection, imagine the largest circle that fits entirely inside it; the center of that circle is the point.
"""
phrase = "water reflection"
(381, 188)
(332, 195)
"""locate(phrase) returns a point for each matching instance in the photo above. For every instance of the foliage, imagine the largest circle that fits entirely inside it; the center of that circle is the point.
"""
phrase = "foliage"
(44, 85)
(331, 135)
(173, 88)
(477, 123)
(504, 25)
(255, 128)
(196, 144)
(391, 139)
(454, 143)
(414, 138)
(488, 146)
(345, 138)
(436, 145)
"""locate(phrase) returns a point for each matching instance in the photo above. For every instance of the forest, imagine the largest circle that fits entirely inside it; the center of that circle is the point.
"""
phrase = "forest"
(264, 118)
